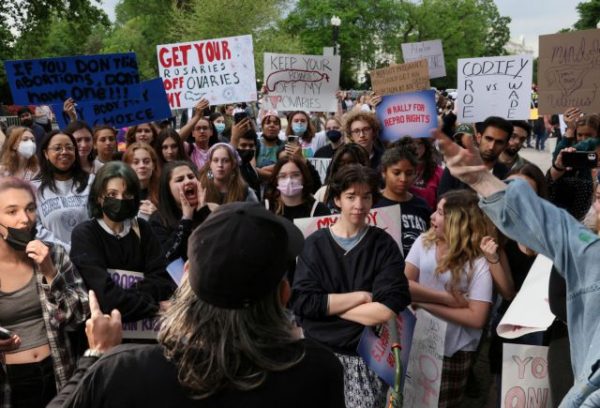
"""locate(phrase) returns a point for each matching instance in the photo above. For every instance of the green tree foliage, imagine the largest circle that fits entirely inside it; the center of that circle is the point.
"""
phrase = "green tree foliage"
(589, 15)
(371, 32)
(199, 19)
(140, 26)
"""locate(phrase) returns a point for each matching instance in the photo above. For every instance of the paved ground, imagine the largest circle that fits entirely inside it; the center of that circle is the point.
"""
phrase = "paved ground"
(487, 388)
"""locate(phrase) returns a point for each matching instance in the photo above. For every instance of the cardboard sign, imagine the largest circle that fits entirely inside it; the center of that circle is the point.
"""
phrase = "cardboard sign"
(529, 312)
(376, 351)
(494, 86)
(108, 77)
(424, 375)
(321, 165)
(142, 329)
(301, 82)
(152, 106)
(412, 76)
(409, 114)
(220, 70)
(525, 381)
(386, 218)
(432, 51)
(569, 72)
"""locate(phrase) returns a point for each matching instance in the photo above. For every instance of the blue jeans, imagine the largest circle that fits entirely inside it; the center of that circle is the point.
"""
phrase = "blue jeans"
(540, 140)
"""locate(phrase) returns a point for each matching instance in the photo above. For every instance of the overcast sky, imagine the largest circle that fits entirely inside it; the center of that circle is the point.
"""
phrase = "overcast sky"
(530, 18)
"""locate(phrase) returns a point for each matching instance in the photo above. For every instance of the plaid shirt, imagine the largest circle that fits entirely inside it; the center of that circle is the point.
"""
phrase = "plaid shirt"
(64, 305)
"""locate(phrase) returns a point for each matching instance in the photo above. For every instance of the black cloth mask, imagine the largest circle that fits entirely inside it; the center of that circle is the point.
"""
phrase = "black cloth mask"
(119, 210)
(19, 238)
(333, 135)
(246, 155)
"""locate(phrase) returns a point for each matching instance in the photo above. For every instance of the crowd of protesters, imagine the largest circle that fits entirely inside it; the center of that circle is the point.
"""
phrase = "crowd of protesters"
(263, 317)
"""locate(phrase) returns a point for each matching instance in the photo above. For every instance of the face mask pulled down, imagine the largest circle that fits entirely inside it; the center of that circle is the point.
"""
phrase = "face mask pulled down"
(18, 239)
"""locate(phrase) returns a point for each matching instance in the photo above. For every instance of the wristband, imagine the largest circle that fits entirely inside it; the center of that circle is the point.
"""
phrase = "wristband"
(493, 263)
(557, 168)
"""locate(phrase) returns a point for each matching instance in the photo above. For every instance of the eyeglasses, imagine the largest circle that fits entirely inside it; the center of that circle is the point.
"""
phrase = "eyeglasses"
(364, 131)
(202, 128)
(58, 149)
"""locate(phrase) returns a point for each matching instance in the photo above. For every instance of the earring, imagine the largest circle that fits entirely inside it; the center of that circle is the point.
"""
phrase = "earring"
(210, 174)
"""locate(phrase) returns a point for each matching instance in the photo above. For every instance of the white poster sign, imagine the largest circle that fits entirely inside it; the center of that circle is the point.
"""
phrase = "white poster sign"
(432, 51)
(321, 165)
(494, 86)
(301, 82)
(529, 311)
(220, 70)
(525, 381)
(386, 218)
(142, 329)
(424, 373)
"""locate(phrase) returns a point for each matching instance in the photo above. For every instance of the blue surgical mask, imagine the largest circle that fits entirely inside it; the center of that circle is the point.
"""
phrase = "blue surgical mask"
(220, 127)
(299, 128)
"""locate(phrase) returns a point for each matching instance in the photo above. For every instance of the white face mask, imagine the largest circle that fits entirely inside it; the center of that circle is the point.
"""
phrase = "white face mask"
(26, 148)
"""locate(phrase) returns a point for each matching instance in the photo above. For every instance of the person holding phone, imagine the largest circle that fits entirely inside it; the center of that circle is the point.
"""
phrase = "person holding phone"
(301, 136)
(41, 297)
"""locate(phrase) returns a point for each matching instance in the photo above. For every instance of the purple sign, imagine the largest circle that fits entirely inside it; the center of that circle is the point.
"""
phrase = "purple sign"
(407, 114)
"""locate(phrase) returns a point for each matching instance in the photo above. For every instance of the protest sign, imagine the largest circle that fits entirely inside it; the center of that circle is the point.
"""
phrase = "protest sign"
(494, 86)
(376, 350)
(399, 78)
(301, 82)
(108, 77)
(529, 311)
(408, 114)
(386, 218)
(432, 51)
(219, 70)
(152, 106)
(321, 165)
(142, 329)
(424, 374)
(569, 72)
(525, 381)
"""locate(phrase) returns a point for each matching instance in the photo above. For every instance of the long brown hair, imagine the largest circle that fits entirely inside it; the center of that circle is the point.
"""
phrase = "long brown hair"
(464, 227)
(237, 189)
(10, 157)
(272, 193)
(153, 183)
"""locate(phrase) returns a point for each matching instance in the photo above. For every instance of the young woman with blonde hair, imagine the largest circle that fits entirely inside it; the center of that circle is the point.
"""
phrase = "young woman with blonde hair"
(450, 277)
(18, 155)
(222, 178)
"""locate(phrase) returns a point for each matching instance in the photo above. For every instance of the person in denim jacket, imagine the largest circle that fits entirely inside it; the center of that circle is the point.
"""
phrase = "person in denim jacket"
(519, 213)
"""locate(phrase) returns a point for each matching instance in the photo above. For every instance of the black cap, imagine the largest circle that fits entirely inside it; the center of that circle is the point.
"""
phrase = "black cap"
(240, 254)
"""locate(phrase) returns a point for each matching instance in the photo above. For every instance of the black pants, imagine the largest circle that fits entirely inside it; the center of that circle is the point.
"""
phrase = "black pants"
(32, 385)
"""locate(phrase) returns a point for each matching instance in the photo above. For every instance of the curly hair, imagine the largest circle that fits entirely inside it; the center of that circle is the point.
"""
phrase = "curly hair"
(367, 117)
(216, 349)
(464, 227)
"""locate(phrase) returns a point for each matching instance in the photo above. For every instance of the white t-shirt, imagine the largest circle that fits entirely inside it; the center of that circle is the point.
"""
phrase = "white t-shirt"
(479, 288)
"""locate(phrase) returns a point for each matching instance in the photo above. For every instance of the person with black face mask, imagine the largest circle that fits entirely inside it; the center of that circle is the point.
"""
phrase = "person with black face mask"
(62, 189)
(26, 119)
(335, 137)
(115, 249)
(246, 148)
(41, 298)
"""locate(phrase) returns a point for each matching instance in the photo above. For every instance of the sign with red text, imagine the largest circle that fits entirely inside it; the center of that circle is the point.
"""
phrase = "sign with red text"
(142, 329)
(424, 374)
(529, 311)
(411, 114)
(398, 78)
(494, 86)
(219, 70)
(569, 72)
(432, 51)
(376, 350)
(386, 218)
(301, 82)
(525, 381)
